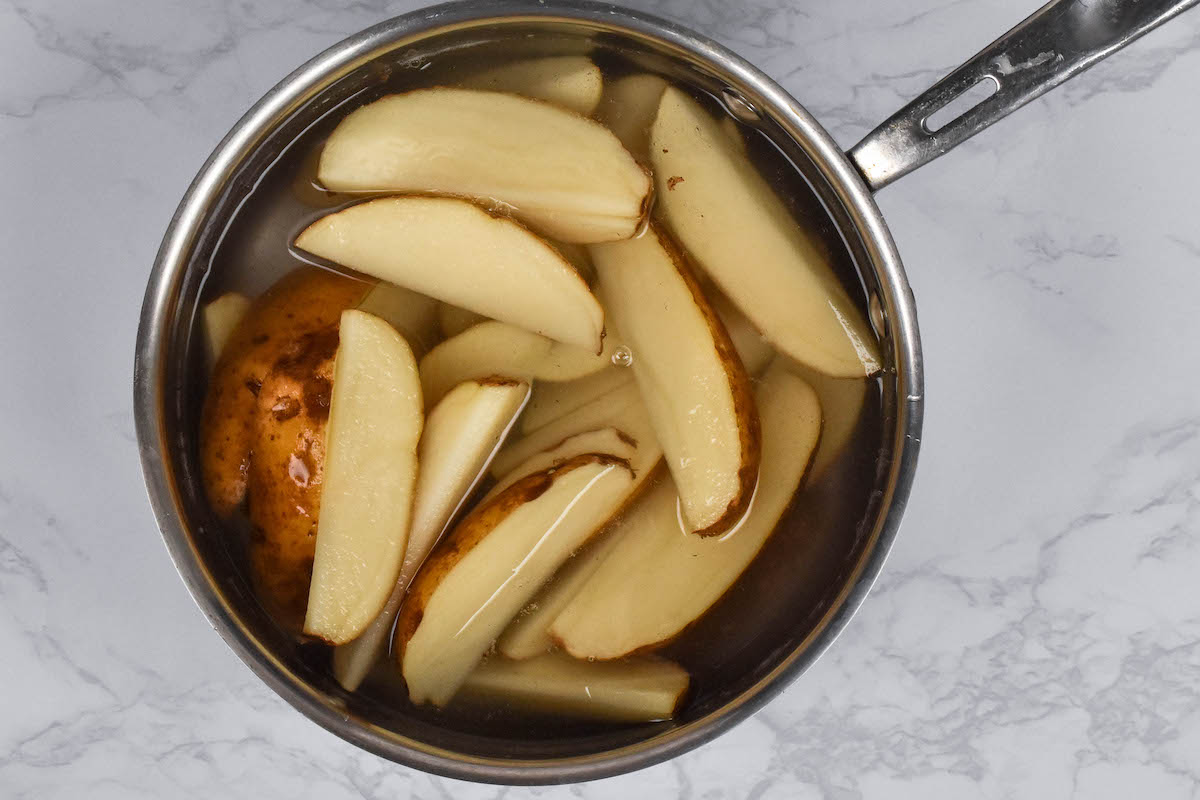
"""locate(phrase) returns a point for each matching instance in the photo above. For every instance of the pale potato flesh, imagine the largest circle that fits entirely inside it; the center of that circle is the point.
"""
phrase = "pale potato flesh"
(616, 424)
(657, 580)
(497, 348)
(733, 131)
(551, 401)
(413, 315)
(221, 316)
(577, 254)
(628, 107)
(635, 690)
(690, 377)
(528, 635)
(456, 252)
(621, 408)
(608, 441)
(573, 82)
(375, 422)
(775, 270)
(842, 401)
(493, 563)
(563, 174)
(755, 351)
(461, 435)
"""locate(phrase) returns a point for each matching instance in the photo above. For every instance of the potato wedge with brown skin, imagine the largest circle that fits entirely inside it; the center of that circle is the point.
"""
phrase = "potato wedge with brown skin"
(497, 348)
(755, 351)
(459, 253)
(609, 441)
(528, 635)
(656, 581)
(612, 408)
(775, 269)
(286, 474)
(553, 401)
(564, 175)
(493, 562)
(690, 377)
(461, 435)
(303, 301)
(577, 254)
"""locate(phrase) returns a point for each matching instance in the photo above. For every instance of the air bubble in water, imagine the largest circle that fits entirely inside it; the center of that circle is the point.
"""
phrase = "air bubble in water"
(622, 356)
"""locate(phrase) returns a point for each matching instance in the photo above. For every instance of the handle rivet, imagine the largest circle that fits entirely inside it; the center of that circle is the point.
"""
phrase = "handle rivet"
(739, 107)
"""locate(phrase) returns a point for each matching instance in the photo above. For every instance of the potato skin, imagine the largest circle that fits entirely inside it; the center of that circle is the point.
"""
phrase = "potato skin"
(739, 382)
(473, 529)
(306, 300)
(286, 473)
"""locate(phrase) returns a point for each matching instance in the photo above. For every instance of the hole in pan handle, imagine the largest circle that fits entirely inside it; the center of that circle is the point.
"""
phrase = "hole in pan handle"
(1056, 42)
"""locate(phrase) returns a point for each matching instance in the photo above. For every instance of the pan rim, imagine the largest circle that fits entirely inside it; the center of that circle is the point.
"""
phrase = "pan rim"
(171, 264)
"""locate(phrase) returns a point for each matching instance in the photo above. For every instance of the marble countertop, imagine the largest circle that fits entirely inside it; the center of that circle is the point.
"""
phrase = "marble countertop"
(1036, 632)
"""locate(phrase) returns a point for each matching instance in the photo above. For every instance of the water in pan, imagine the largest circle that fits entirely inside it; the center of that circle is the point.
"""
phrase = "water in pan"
(787, 587)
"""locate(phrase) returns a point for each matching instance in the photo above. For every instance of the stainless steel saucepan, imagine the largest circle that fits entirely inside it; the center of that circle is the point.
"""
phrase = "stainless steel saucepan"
(1059, 40)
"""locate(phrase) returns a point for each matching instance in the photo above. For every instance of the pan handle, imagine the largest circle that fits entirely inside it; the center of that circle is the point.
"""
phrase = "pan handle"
(1056, 42)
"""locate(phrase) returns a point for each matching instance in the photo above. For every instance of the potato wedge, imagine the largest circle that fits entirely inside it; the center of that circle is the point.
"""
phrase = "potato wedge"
(221, 317)
(733, 131)
(286, 474)
(577, 254)
(497, 348)
(303, 301)
(634, 690)
(564, 175)
(414, 315)
(755, 351)
(552, 401)
(528, 635)
(657, 581)
(615, 409)
(735, 226)
(456, 252)
(842, 401)
(461, 435)
(573, 82)
(691, 379)
(628, 107)
(375, 422)
(606, 441)
(492, 563)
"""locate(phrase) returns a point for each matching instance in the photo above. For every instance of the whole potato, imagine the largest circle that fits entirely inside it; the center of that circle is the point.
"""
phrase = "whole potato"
(286, 472)
(304, 301)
